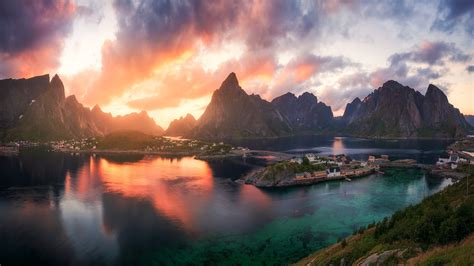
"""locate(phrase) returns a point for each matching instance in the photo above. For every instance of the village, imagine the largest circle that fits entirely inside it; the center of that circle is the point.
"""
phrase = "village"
(338, 167)
(310, 168)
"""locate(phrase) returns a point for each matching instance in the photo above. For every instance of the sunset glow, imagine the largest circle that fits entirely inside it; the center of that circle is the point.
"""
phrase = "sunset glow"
(168, 57)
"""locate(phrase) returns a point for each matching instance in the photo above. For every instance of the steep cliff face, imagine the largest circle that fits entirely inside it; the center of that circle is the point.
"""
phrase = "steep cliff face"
(304, 113)
(394, 110)
(16, 95)
(44, 113)
(52, 116)
(232, 113)
(181, 127)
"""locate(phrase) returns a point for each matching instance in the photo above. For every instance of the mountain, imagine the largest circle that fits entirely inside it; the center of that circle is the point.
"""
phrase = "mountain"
(304, 113)
(470, 119)
(136, 121)
(17, 95)
(37, 109)
(182, 126)
(394, 110)
(232, 113)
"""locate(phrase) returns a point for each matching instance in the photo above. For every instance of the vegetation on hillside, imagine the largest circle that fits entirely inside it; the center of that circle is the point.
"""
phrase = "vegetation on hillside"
(445, 218)
(126, 140)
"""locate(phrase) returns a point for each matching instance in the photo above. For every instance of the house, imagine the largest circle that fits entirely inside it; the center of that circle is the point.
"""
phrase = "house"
(443, 159)
(454, 158)
(446, 159)
(333, 172)
(311, 157)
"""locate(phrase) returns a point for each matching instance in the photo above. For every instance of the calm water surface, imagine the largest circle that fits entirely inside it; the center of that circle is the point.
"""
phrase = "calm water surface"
(60, 209)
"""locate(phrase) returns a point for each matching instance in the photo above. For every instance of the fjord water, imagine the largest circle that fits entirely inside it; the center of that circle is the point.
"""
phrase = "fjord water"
(61, 209)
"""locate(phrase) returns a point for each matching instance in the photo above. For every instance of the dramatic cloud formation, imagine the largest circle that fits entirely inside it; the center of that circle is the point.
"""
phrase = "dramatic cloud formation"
(167, 57)
(32, 35)
(454, 13)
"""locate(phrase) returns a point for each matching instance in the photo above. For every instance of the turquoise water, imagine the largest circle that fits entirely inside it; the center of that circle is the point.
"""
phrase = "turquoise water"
(319, 216)
(62, 209)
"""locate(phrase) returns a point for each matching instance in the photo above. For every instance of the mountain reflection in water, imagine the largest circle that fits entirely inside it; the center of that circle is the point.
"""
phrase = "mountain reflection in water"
(61, 209)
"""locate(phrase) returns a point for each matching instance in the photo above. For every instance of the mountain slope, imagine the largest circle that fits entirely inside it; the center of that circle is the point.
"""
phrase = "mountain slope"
(430, 231)
(394, 110)
(133, 121)
(44, 113)
(17, 95)
(232, 113)
(304, 113)
(182, 126)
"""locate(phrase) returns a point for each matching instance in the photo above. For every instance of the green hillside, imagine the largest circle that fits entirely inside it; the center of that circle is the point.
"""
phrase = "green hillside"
(437, 231)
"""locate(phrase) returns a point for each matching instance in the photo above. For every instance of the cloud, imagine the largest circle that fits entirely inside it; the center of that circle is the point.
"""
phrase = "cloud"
(455, 13)
(470, 69)
(158, 42)
(431, 53)
(416, 68)
(32, 35)
(405, 67)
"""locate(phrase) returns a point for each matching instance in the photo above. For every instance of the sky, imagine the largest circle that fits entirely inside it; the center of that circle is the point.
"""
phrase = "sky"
(167, 56)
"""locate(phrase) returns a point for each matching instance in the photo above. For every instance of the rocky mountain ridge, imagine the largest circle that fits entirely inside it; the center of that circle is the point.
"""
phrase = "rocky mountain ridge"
(37, 109)
(182, 126)
(394, 110)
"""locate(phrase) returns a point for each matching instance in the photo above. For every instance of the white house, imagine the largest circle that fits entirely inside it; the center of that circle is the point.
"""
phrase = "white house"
(311, 157)
(333, 172)
(443, 159)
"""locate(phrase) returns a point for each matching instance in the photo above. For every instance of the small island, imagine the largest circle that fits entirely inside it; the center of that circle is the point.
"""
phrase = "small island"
(310, 169)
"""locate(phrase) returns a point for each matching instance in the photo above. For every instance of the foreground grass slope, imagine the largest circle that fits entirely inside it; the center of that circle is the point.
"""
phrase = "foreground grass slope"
(438, 231)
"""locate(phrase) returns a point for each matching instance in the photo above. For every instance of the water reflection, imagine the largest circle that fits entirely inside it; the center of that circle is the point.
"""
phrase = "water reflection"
(424, 150)
(79, 209)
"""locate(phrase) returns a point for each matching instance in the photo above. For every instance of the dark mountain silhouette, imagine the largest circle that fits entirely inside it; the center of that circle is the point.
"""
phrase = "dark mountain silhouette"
(304, 113)
(232, 113)
(394, 110)
(37, 109)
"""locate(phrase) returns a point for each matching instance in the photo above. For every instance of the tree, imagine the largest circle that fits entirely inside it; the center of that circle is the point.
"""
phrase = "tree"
(305, 161)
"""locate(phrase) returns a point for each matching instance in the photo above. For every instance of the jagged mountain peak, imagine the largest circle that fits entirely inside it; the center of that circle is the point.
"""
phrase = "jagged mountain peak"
(434, 91)
(308, 97)
(96, 109)
(392, 84)
(356, 100)
(230, 84)
(395, 110)
(56, 87)
(182, 126)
